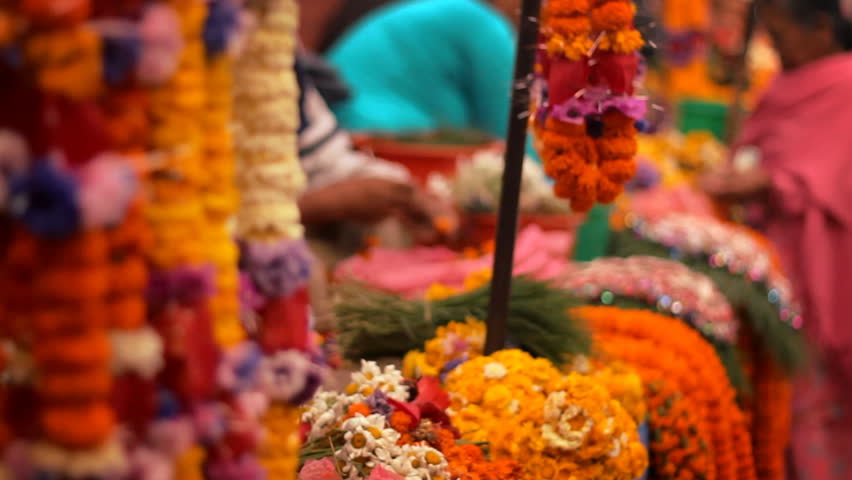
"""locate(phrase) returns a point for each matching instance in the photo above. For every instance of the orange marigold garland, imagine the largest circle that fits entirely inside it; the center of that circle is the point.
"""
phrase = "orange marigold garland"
(585, 108)
(768, 411)
(680, 446)
(656, 345)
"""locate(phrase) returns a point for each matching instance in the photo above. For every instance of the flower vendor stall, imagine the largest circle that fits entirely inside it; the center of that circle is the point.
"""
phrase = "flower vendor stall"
(155, 318)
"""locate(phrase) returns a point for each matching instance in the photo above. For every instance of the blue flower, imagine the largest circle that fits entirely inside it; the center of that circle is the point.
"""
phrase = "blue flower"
(121, 53)
(45, 200)
(222, 21)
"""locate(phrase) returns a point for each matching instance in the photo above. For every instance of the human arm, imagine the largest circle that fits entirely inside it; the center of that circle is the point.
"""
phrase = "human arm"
(730, 184)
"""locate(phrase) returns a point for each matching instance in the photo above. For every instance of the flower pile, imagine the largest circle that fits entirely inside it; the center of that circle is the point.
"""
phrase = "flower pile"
(385, 427)
(656, 345)
(584, 111)
(552, 424)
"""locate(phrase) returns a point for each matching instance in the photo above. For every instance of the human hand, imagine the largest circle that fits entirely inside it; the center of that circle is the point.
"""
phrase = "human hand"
(363, 200)
(728, 183)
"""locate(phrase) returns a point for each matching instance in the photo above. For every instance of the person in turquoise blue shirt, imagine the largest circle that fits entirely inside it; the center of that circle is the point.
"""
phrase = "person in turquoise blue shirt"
(428, 64)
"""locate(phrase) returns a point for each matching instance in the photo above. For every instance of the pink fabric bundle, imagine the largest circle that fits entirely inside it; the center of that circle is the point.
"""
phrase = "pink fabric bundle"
(541, 255)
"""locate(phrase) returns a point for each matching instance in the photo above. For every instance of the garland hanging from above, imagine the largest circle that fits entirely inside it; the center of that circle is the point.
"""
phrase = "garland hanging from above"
(584, 108)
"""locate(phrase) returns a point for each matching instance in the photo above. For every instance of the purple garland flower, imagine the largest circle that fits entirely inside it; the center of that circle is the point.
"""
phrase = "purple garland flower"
(45, 200)
(277, 269)
(290, 376)
(187, 285)
(574, 110)
(223, 20)
(634, 107)
(378, 403)
(122, 49)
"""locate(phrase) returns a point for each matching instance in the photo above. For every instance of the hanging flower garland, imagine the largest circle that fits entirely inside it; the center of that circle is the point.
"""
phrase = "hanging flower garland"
(584, 108)
(656, 345)
(274, 258)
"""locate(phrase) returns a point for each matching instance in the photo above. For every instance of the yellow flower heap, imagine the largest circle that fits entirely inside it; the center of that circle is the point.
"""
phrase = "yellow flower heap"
(269, 176)
(554, 425)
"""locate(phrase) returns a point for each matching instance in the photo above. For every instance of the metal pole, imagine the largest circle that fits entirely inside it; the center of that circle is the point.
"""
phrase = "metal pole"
(516, 140)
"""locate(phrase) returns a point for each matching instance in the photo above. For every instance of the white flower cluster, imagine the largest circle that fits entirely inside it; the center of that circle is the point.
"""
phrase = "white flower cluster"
(370, 443)
(266, 113)
(324, 411)
(327, 408)
(371, 378)
(566, 426)
(477, 184)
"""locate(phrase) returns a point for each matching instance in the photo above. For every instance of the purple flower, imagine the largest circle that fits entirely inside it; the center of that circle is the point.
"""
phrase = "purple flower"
(222, 23)
(574, 110)
(239, 367)
(634, 107)
(378, 403)
(45, 200)
(122, 49)
(290, 376)
(450, 366)
(277, 269)
(647, 177)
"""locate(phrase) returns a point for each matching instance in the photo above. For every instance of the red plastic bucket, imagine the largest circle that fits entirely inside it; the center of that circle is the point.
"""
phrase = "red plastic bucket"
(421, 159)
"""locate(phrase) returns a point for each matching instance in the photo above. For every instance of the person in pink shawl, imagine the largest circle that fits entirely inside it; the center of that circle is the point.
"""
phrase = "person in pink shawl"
(794, 160)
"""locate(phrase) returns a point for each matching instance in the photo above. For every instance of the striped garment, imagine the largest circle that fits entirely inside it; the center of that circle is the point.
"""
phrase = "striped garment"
(325, 150)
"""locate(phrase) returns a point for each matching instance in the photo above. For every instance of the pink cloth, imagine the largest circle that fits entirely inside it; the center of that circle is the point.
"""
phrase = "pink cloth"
(539, 254)
(802, 129)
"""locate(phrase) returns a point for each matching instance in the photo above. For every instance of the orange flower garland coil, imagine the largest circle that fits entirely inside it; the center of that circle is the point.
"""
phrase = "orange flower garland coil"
(680, 445)
(655, 345)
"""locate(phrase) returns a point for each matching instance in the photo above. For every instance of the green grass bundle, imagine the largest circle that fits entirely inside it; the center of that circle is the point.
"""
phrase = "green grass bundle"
(375, 324)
